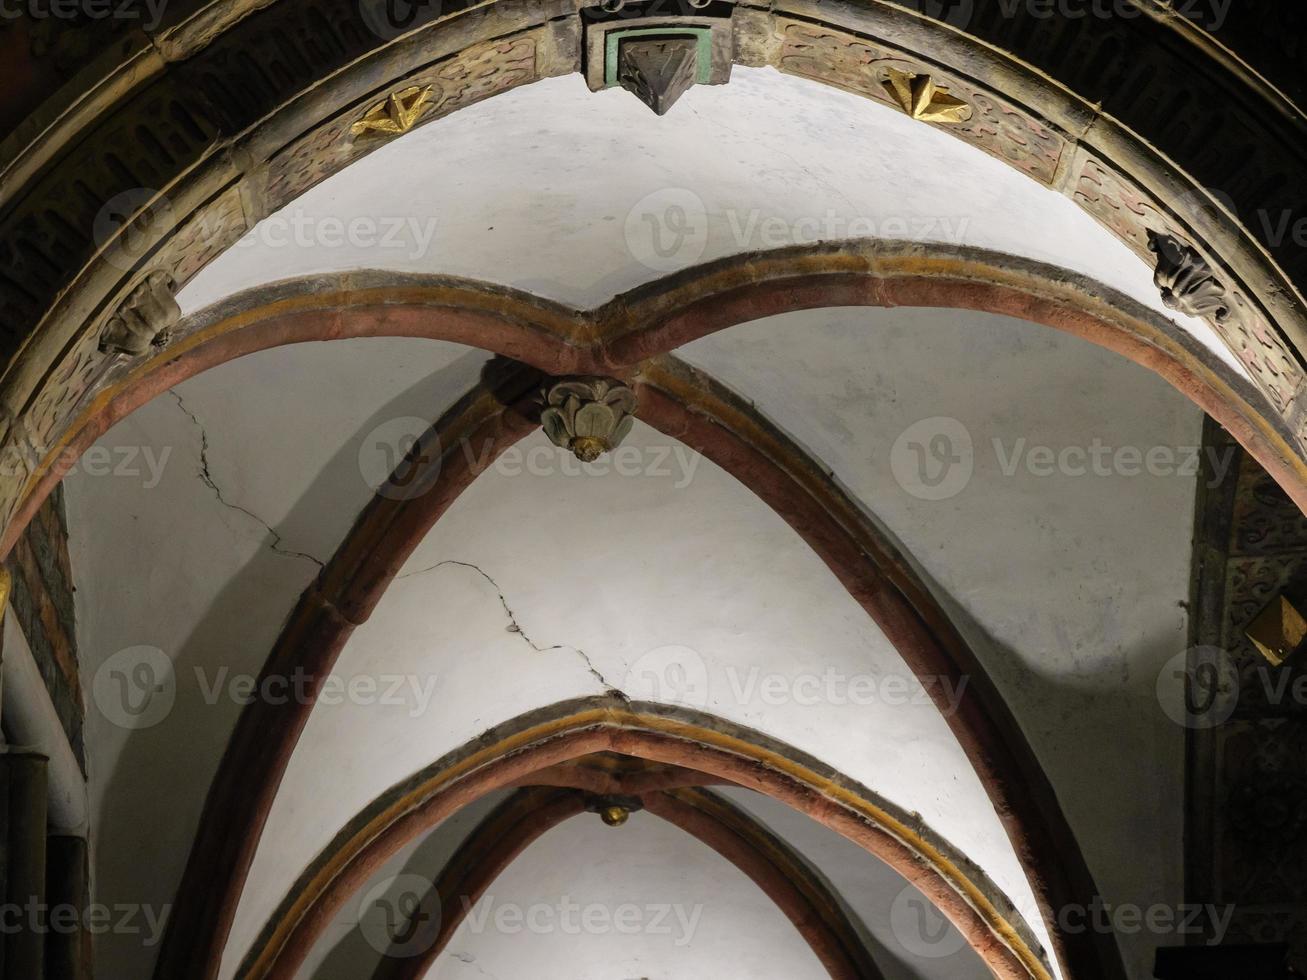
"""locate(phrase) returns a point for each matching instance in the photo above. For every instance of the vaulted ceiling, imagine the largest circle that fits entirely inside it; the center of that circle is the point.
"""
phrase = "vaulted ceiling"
(561, 540)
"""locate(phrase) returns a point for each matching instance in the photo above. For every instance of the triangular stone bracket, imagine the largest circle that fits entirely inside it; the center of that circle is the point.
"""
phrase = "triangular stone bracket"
(657, 70)
(658, 59)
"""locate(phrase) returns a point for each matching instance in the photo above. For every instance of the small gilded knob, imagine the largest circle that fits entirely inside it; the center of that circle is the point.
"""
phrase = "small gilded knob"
(614, 815)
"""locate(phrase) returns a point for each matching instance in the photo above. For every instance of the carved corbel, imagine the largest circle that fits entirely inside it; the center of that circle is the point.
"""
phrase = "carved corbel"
(1186, 280)
(658, 58)
(658, 71)
(145, 318)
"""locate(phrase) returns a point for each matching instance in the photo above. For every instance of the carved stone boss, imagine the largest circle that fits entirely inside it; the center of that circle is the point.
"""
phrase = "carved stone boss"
(588, 416)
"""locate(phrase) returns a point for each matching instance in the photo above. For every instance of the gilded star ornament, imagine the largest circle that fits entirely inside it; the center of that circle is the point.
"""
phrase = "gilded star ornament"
(397, 114)
(921, 98)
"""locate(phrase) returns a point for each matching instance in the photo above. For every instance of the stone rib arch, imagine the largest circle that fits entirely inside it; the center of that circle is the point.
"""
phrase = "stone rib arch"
(355, 579)
(657, 318)
(805, 898)
(544, 334)
(677, 736)
(238, 151)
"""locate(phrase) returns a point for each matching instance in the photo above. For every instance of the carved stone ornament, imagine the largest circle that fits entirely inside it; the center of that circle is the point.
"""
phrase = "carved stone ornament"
(1277, 631)
(588, 416)
(397, 114)
(658, 70)
(1186, 280)
(145, 317)
(614, 810)
(921, 98)
(658, 59)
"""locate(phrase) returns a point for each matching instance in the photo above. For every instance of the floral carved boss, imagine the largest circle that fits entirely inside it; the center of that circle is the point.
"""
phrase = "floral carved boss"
(588, 416)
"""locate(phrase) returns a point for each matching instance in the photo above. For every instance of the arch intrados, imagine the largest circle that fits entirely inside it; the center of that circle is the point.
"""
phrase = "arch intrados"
(807, 900)
(512, 752)
(727, 284)
(655, 319)
(289, 133)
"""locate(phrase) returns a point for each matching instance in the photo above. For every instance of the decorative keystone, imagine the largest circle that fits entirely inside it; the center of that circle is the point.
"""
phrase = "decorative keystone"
(658, 70)
(145, 318)
(588, 416)
(1186, 280)
(658, 58)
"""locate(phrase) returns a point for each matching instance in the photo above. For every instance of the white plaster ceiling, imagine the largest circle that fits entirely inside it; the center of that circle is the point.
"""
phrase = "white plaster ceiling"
(908, 937)
(551, 188)
(1069, 585)
(717, 922)
(623, 582)
(351, 946)
(163, 562)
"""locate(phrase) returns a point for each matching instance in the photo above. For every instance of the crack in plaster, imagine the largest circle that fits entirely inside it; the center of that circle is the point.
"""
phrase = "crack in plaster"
(471, 961)
(206, 477)
(515, 627)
